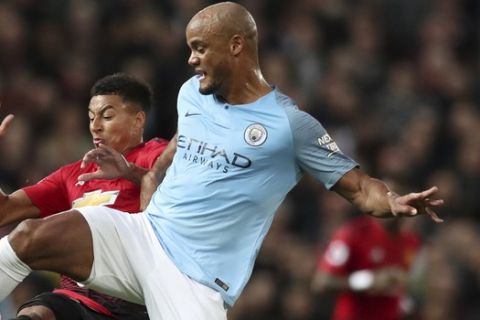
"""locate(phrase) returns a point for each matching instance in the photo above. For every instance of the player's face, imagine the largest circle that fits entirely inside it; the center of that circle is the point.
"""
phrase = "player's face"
(115, 123)
(209, 56)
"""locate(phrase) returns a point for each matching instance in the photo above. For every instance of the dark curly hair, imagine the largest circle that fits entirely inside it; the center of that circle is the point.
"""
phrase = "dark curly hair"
(125, 86)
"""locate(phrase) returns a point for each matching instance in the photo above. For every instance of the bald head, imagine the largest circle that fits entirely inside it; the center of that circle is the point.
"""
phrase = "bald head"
(227, 19)
(224, 52)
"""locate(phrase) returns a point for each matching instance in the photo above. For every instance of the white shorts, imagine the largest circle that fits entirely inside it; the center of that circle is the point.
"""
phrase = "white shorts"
(130, 263)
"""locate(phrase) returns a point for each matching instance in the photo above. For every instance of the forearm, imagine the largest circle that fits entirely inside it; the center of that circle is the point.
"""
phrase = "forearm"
(16, 207)
(374, 198)
(357, 281)
(373, 281)
(150, 183)
(323, 282)
(368, 194)
(152, 179)
(135, 173)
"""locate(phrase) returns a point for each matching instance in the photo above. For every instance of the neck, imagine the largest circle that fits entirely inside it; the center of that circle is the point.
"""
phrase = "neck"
(131, 146)
(246, 89)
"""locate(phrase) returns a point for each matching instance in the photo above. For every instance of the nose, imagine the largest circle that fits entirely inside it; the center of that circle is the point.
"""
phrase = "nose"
(193, 60)
(96, 125)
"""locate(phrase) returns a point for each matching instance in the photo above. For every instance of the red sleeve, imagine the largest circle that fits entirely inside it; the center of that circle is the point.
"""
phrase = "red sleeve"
(49, 194)
(338, 254)
(154, 148)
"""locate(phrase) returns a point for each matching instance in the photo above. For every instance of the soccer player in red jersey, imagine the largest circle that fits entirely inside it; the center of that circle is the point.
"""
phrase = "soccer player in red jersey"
(224, 54)
(366, 262)
(117, 113)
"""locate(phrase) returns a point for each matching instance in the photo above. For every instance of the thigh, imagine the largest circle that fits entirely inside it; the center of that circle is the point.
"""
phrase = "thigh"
(121, 253)
(62, 307)
(60, 243)
(171, 295)
(184, 302)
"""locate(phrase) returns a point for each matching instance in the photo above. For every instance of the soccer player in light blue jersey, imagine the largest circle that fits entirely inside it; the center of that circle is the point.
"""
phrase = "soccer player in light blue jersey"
(242, 145)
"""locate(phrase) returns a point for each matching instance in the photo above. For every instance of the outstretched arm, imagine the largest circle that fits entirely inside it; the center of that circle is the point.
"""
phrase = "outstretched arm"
(379, 281)
(375, 198)
(16, 207)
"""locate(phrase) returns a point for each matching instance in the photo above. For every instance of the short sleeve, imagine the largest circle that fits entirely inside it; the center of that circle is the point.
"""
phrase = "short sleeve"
(337, 255)
(49, 194)
(156, 147)
(316, 151)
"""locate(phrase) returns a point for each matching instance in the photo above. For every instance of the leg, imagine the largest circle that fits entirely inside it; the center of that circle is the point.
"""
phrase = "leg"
(129, 260)
(53, 306)
(172, 295)
(117, 240)
(60, 243)
(37, 313)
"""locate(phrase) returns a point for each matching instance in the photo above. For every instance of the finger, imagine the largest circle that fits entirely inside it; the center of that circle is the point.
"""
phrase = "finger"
(85, 160)
(405, 210)
(108, 150)
(6, 123)
(90, 176)
(113, 155)
(420, 195)
(433, 215)
(95, 155)
(435, 203)
(427, 193)
(89, 157)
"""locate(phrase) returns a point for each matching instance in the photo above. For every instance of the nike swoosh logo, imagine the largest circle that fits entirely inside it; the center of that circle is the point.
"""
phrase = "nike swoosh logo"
(188, 114)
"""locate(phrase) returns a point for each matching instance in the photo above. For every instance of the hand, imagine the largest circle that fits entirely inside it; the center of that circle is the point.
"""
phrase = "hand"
(111, 164)
(5, 124)
(388, 280)
(415, 203)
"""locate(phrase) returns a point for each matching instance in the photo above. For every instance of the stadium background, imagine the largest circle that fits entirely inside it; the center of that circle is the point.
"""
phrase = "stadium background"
(395, 82)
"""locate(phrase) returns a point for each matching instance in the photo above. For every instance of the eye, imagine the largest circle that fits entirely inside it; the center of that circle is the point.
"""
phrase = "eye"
(199, 48)
(107, 116)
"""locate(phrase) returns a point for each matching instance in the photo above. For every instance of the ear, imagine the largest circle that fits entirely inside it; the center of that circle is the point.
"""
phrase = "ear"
(140, 119)
(236, 44)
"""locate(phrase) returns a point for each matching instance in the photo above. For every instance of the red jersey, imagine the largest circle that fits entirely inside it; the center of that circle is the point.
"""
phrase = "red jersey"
(363, 243)
(61, 191)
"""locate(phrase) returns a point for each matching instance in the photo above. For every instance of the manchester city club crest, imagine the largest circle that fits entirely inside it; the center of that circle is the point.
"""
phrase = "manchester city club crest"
(255, 134)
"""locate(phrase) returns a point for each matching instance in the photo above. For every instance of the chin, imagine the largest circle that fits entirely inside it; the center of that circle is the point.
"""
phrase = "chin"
(206, 90)
(208, 86)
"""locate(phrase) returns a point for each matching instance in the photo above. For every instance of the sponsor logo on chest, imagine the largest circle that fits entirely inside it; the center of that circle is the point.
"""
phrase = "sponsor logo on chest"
(96, 198)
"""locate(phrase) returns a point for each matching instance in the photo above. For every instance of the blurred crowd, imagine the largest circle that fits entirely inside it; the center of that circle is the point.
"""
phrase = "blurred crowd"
(395, 82)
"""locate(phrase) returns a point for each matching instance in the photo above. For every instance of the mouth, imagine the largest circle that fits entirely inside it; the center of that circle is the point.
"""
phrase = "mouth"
(202, 74)
(98, 141)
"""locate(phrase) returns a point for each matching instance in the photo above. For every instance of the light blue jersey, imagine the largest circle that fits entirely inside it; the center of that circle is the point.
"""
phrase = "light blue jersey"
(233, 167)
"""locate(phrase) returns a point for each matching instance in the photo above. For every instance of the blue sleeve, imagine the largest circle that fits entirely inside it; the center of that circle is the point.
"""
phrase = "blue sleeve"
(316, 152)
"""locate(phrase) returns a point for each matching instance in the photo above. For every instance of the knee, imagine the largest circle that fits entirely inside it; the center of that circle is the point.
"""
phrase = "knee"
(26, 237)
(36, 313)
